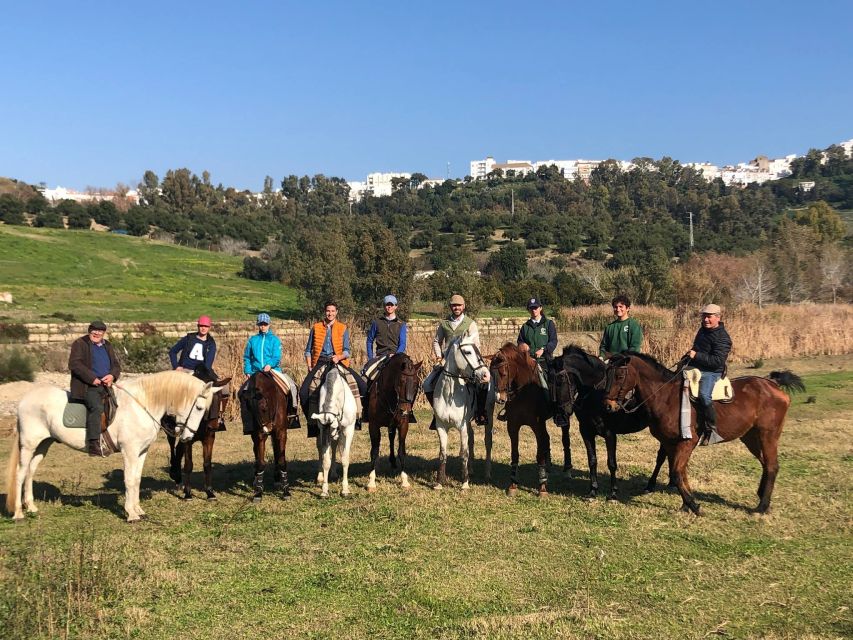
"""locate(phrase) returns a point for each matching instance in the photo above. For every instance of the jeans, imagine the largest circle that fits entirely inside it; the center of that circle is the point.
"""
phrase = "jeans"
(706, 386)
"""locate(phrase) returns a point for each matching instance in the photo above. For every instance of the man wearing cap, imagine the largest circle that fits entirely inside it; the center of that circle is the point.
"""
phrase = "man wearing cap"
(539, 336)
(194, 349)
(263, 353)
(709, 352)
(328, 341)
(94, 367)
(388, 334)
(623, 333)
(457, 325)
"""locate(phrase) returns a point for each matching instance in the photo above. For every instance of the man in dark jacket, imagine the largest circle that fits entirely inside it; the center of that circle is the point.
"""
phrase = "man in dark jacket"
(194, 348)
(711, 348)
(540, 335)
(94, 367)
(388, 334)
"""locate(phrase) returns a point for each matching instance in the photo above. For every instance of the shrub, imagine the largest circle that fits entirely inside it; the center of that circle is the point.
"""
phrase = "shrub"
(13, 332)
(50, 219)
(147, 354)
(15, 365)
(68, 317)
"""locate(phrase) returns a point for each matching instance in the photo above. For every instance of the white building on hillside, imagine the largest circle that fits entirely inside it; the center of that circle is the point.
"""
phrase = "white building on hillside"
(90, 195)
(481, 168)
(379, 184)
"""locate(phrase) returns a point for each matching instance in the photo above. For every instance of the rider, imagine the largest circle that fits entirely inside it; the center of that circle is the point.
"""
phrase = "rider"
(194, 349)
(623, 333)
(709, 352)
(263, 353)
(328, 341)
(458, 325)
(388, 333)
(539, 336)
(94, 367)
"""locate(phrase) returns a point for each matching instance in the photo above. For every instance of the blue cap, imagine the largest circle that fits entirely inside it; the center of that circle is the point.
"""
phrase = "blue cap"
(390, 299)
(263, 318)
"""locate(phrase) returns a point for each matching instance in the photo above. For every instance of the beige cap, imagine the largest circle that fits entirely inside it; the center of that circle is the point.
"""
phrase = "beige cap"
(457, 299)
(711, 309)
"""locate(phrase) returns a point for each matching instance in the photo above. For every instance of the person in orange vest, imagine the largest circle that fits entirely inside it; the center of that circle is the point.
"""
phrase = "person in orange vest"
(328, 342)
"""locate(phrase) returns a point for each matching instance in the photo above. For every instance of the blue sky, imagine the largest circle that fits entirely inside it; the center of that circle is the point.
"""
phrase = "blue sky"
(96, 92)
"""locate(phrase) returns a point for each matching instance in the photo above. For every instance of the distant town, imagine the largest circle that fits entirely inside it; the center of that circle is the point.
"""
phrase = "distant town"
(758, 170)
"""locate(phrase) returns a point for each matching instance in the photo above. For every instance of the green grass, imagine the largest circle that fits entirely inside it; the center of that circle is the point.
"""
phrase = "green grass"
(427, 564)
(121, 278)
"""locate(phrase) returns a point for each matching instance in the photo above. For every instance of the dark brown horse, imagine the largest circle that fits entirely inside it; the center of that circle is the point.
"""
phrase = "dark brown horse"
(756, 416)
(582, 377)
(390, 401)
(268, 407)
(525, 402)
(206, 434)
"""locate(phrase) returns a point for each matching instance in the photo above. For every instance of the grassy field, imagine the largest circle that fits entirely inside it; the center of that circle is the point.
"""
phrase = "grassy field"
(427, 564)
(86, 274)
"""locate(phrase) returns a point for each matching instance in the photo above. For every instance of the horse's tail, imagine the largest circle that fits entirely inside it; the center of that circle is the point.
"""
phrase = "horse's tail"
(12, 473)
(788, 380)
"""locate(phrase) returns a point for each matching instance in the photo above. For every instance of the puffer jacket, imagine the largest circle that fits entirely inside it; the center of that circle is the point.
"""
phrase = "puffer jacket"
(712, 347)
(262, 349)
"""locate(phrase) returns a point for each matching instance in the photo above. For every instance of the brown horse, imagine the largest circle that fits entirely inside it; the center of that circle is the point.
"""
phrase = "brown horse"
(268, 407)
(390, 401)
(526, 403)
(206, 434)
(756, 416)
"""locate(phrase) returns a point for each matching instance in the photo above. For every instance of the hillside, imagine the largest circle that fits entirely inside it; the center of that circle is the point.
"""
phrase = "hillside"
(53, 272)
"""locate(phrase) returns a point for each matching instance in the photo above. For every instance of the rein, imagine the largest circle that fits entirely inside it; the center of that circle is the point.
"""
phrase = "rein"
(620, 403)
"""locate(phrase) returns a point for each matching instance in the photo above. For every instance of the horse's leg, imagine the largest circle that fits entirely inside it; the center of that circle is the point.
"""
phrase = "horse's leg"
(21, 477)
(401, 455)
(765, 449)
(441, 477)
(375, 440)
(345, 445)
(207, 450)
(610, 443)
(279, 447)
(464, 440)
(512, 430)
(653, 479)
(488, 442)
(680, 458)
(176, 451)
(470, 434)
(392, 435)
(188, 469)
(325, 440)
(132, 477)
(259, 441)
(567, 449)
(543, 456)
(588, 436)
(38, 456)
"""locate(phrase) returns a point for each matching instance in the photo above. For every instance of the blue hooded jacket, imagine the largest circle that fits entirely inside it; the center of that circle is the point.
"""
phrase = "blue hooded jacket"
(262, 349)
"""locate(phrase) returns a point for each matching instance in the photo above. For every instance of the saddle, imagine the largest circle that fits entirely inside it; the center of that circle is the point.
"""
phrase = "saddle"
(74, 415)
(372, 368)
(281, 381)
(722, 392)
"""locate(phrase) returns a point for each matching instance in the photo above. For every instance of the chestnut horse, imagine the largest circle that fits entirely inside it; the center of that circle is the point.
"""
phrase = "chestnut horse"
(390, 400)
(526, 403)
(206, 435)
(268, 407)
(756, 416)
(584, 377)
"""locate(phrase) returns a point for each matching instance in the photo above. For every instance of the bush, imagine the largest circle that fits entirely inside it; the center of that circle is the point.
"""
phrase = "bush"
(50, 219)
(11, 209)
(15, 365)
(143, 355)
(12, 332)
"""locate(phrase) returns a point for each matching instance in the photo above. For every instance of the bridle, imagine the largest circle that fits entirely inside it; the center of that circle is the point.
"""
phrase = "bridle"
(475, 366)
(624, 396)
(267, 425)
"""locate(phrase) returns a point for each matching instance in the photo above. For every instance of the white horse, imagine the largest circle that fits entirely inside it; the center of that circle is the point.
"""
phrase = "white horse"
(454, 399)
(142, 403)
(336, 417)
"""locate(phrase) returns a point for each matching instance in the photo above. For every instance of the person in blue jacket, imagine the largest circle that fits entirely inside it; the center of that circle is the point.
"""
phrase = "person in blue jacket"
(263, 353)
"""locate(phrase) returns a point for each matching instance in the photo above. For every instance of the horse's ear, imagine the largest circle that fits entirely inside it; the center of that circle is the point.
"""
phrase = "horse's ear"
(489, 356)
(207, 386)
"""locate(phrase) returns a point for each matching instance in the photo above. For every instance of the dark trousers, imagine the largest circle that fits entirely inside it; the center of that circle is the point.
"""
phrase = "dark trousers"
(94, 402)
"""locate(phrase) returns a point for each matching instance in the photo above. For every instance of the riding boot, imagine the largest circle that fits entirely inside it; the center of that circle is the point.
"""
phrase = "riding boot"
(482, 392)
(709, 434)
(94, 448)
(293, 422)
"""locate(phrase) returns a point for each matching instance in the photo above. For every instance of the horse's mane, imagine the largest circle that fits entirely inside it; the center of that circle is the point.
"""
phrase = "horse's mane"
(645, 357)
(332, 377)
(172, 388)
(525, 372)
(575, 350)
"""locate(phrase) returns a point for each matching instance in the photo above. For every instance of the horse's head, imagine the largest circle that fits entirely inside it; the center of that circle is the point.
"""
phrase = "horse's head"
(463, 358)
(331, 402)
(622, 379)
(512, 368)
(565, 384)
(266, 401)
(220, 403)
(189, 420)
(407, 383)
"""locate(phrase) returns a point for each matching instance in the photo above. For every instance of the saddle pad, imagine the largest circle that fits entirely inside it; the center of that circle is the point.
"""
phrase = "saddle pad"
(353, 385)
(281, 381)
(371, 369)
(722, 392)
(74, 416)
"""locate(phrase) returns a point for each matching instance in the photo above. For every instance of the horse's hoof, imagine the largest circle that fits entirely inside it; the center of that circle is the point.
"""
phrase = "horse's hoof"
(133, 521)
(371, 489)
(210, 495)
(648, 490)
(612, 498)
(592, 495)
(406, 487)
(346, 494)
(324, 495)
(436, 487)
(19, 519)
(512, 491)
(465, 486)
(543, 493)
(186, 496)
(256, 499)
